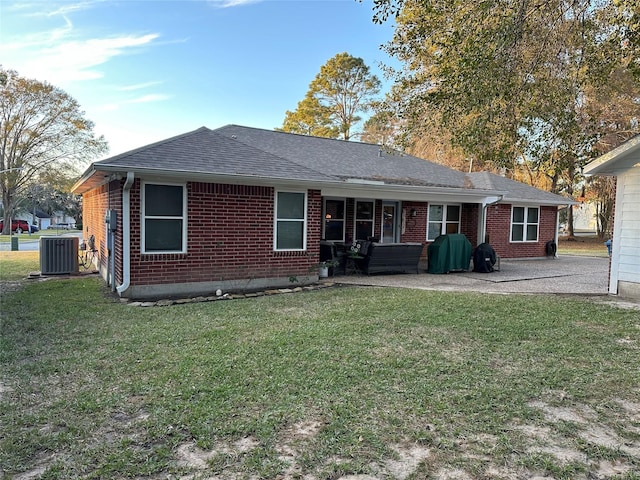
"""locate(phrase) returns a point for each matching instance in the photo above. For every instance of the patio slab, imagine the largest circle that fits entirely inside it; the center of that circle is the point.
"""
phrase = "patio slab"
(578, 275)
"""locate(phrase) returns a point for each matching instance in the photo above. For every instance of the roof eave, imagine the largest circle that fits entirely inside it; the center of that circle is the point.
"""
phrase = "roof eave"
(94, 177)
(607, 164)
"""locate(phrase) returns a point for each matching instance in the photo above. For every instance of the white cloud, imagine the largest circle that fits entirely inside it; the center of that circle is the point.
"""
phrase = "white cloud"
(63, 54)
(232, 3)
(139, 86)
(61, 61)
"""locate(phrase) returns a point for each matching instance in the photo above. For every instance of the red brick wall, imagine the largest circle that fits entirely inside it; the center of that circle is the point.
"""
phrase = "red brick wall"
(469, 222)
(94, 205)
(499, 229)
(229, 237)
(230, 234)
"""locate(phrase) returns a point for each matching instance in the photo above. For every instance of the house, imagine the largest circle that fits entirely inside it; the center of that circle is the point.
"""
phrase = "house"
(623, 162)
(241, 208)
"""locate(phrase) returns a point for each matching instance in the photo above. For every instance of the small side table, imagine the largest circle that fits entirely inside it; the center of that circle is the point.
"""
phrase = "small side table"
(352, 265)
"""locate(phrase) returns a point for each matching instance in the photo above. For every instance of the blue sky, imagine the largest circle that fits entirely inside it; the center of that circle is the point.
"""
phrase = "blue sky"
(145, 70)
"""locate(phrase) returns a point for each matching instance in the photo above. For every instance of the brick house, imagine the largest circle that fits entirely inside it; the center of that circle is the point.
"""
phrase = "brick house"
(240, 208)
(623, 162)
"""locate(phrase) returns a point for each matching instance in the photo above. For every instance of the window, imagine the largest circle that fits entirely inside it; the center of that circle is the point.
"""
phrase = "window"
(364, 220)
(290, 222)
(524, 224)
(334, 220)
(443, 219)
(164, 218)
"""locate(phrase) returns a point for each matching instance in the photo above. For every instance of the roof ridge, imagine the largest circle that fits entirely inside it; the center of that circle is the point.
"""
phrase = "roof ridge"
(316, 137)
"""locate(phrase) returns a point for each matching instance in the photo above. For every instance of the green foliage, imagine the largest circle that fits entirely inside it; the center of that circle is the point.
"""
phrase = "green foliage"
(41, 127)
(342, 89)
(310, 118)
(539, 87)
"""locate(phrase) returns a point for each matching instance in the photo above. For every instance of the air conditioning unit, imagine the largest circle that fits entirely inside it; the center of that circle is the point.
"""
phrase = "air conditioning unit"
(58, 255)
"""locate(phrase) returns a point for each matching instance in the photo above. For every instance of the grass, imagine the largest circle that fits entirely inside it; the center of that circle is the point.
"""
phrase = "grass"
(16, 266)
(582, 245)
(329, 383)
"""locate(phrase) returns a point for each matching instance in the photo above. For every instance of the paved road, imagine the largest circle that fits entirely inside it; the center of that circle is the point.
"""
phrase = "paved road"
(27, 242)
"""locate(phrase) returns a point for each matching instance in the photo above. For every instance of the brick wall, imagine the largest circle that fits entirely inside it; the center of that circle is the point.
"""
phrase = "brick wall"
(498, 231)
(230, 234)
(469, 222)
(229, 237)
(94, 205)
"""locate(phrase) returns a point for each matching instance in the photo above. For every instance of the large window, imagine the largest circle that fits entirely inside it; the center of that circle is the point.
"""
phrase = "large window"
(334, 220)
(524, 224)
(443, 219)
(164, 218)
(364, 220)
(290, 221)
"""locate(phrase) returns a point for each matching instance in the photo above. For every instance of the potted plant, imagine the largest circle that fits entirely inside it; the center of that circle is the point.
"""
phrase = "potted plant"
(324, 266)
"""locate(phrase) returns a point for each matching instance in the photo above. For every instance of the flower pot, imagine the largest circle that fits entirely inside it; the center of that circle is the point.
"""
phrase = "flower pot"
(323, 272)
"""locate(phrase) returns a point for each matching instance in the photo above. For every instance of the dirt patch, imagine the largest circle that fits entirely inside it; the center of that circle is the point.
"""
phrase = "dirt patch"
(409, 459)
(43, 462)
(588, 428)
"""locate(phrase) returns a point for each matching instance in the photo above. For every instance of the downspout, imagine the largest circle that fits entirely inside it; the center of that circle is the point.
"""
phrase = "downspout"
(483, 237)
(126, 234)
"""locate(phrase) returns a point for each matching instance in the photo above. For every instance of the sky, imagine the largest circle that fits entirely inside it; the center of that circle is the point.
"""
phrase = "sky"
(146, 70)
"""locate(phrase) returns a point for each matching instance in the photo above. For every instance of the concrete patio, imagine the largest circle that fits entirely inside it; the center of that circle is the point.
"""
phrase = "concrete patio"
(574, 275)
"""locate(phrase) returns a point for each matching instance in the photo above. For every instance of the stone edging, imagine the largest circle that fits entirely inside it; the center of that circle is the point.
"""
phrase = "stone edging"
(226, 296)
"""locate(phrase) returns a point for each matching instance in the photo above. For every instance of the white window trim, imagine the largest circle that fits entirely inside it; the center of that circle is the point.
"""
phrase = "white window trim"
(276, 219)
(373, 216)
(143, 217)
(344, 219)
(524, 224)
(443, 229)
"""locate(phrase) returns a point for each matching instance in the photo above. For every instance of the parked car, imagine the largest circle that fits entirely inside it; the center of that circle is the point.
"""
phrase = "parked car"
(34, 228)
(17, 226)
(60, 226)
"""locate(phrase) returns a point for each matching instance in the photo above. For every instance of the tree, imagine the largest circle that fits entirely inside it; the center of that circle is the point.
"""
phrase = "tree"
(342, 89)
(310, 118)
(41, 128)
(513, 82)
(381, 128)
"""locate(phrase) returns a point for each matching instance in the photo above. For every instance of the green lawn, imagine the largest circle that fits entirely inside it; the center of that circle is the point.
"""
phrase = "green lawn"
(16, 266)
(389, 383)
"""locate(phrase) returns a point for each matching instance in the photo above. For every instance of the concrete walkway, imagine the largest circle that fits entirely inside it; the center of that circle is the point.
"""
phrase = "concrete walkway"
(573, 275)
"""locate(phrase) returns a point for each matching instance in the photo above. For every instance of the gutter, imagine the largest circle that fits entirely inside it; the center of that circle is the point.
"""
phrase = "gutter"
(126, 234)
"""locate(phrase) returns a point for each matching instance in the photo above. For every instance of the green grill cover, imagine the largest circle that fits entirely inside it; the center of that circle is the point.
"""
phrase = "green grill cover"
(448, 253)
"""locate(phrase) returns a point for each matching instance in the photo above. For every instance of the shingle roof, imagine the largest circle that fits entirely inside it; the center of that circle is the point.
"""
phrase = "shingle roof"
(247, 152)
(347, 159)
(516, 191)
(207, 152)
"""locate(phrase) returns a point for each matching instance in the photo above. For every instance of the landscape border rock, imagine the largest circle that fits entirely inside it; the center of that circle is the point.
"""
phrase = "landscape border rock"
(167, 302)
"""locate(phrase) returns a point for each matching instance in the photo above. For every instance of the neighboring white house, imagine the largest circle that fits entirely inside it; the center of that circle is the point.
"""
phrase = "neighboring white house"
(623, 162)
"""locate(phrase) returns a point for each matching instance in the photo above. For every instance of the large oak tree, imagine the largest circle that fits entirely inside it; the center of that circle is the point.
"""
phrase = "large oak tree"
(41, 127)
